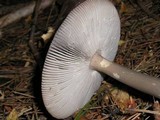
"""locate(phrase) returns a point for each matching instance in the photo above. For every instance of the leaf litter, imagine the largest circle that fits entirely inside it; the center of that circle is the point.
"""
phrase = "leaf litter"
(139, 49)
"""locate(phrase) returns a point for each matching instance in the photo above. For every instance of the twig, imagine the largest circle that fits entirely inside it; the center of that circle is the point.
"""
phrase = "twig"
(23, 111)
(2, 85)
(144, 111)
(15, 92)
(133, 117)
(105, 117)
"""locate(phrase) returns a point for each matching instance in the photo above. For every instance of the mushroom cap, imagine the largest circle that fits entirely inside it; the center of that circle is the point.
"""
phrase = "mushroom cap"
(67, 81)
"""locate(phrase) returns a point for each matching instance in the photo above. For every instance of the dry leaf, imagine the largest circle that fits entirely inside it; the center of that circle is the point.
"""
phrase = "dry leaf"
(83, 118)
(123, 8)
(28, 19)
(46, 37)
(1, 95)
(123, 99)
(121, 42)
(7, 108)
(13, 115)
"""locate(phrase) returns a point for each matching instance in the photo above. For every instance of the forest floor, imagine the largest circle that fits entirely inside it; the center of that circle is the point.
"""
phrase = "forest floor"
(20, 76)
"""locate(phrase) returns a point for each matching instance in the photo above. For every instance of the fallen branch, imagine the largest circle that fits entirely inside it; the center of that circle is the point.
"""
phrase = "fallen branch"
(32, 45)
(22, 12)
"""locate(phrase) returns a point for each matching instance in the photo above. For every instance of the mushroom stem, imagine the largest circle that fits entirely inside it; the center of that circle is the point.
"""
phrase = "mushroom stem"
(144, 83)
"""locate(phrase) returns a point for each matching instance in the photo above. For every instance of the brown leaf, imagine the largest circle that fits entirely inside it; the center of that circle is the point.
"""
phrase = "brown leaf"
(8, 108)
(83, 118)
(123, 8)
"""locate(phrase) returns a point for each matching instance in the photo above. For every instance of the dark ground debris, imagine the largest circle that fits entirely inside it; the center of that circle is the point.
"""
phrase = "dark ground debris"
(139, 49)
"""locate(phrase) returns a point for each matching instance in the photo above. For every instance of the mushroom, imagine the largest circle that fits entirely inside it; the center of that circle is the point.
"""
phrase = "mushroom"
(85, 45)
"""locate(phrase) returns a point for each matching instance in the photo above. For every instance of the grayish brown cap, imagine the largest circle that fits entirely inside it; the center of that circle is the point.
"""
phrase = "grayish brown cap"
(67, 81)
